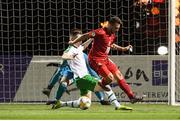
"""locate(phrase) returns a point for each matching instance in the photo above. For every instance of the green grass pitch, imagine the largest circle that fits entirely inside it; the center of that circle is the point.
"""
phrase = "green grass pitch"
(97, 111)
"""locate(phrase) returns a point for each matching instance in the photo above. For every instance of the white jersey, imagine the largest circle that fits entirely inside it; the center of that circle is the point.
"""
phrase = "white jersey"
(78, 64)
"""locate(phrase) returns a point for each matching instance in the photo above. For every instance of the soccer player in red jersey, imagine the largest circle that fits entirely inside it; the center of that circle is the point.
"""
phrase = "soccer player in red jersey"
(104, 40)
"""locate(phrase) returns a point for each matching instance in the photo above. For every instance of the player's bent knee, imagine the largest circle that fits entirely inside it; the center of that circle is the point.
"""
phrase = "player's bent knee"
(118, 75)
(64, 84)
(109, 79)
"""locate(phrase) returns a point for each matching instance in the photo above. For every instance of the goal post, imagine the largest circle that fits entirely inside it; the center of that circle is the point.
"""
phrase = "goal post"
(172, 62)
(171, 55)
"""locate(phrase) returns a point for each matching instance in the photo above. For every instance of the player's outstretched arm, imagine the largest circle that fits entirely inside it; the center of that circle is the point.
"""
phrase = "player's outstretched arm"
(86, 43)
(119, 48)
(79, 38)
(67, 56)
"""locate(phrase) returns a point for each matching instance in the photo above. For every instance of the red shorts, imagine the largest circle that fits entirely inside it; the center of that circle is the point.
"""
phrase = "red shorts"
(103, 66)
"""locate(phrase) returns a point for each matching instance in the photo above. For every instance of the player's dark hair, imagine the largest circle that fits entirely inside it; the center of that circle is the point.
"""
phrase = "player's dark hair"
(114, 20)
(75, 31)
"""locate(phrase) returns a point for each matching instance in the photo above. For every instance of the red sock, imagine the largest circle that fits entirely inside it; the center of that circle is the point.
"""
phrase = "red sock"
(126, 88)
(105, 82)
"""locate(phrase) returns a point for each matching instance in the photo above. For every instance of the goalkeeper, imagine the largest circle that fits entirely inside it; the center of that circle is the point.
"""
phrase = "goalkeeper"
(84, 81)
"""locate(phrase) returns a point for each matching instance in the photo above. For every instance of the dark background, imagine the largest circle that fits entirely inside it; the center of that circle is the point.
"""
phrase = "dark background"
(41, 27)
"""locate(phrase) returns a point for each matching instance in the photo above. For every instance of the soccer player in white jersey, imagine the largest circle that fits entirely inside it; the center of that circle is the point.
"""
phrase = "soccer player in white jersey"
(64, 76)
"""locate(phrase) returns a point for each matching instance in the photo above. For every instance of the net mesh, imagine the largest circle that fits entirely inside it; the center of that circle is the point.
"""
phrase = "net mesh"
(42, 27)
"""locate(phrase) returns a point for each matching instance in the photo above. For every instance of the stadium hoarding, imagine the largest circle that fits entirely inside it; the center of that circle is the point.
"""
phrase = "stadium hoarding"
(147, 75)
(12, 71)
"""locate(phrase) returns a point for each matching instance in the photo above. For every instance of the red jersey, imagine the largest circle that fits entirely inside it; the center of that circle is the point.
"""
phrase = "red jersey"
(101, 44)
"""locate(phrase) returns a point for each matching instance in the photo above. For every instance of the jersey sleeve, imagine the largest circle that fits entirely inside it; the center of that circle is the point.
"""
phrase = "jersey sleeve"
(69, 50)
(93, 33)
(81, 48)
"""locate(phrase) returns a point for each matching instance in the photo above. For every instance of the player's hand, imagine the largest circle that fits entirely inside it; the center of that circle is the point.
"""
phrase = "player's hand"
(128, 47)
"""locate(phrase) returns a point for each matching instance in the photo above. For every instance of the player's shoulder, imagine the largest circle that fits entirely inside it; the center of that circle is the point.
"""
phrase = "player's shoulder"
(69, 48)
(100, 31)
(80, 47)
(97, 32)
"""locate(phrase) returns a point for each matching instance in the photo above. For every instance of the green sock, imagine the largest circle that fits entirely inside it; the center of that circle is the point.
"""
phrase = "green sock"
(61, 89)
(55, 78)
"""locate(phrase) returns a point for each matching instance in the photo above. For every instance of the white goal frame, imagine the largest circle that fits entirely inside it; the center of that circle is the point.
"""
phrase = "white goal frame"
(171, 55)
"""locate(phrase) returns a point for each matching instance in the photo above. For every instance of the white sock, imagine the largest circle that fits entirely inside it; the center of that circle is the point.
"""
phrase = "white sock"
(111, 97)
(73, 104)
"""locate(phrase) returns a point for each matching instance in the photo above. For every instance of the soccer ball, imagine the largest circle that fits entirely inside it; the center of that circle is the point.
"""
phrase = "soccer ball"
(85, 102)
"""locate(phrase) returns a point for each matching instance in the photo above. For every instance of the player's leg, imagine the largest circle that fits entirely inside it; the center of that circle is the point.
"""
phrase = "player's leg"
(105, 69)
(90, 83)
(84, 84)
(54, 79)
(112, 99)
(126, 88)
(100, 67)
(65, 81)
(99, 94)
(122, 82)
(61, 90)
(74, 103)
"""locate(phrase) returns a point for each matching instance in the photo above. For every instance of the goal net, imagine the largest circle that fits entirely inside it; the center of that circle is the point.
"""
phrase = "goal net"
(35, 33)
